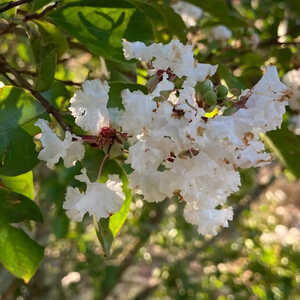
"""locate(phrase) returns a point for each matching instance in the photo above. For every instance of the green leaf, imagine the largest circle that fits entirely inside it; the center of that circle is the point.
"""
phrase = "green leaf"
(98, 25)
(115, 99)
(16, 208)
(52, 35)
(139, 28)
(22, 184)
(104, 234)
(17, 149)
(45, 56)
(173, 21)
(286, 147)
(18, 252)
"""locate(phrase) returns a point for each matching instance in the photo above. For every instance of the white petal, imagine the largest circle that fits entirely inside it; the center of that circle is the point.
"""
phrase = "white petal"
(88, 106)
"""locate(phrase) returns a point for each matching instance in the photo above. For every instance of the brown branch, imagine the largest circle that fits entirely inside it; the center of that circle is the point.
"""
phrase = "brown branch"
(22, 82)
(36, 16)
(13, 4)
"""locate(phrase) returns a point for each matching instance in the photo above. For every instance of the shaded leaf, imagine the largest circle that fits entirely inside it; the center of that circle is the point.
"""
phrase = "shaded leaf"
(45, 58)
(286, 147)
(17, 149)
(16, 208)
(52, 35)
(104, 235)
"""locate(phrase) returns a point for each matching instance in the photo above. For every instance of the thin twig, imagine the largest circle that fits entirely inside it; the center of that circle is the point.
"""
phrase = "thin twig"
(36, 16)
(30, 17)
(13, 4)
(66, 82)
(6, 68)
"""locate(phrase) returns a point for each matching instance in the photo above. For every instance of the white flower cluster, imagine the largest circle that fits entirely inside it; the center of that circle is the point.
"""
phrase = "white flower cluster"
(292, 80)
(189, 13)
(174, 148)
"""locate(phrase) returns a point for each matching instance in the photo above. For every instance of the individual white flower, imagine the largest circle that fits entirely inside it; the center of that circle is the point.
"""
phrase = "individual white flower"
(99, 200)
(292, 80)
(1, 84)
(189, 13)
(221, 33)
(54, 148)
(208, 221)
(88, 106)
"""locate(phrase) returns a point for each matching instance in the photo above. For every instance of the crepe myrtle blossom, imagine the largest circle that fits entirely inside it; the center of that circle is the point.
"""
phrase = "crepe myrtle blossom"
(221, 33)
(292, 80)
(100, 200)
(179, 147)
(70, 149)
(174, 149)
(189, 13)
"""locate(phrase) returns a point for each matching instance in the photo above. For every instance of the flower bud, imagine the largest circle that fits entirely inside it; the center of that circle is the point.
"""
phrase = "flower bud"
(205, 86)
(210, 98)
(222, 91)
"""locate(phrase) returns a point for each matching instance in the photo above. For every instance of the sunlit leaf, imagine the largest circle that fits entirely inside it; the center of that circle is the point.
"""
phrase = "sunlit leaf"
(18, 252)
(22, 184)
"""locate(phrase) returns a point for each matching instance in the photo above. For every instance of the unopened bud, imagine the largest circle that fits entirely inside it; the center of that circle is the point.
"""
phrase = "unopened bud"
(210, 98)
(222, 91)
(205, 86)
